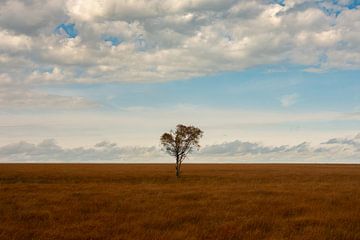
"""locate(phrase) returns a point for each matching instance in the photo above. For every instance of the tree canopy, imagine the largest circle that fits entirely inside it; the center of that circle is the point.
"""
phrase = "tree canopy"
(180, 142)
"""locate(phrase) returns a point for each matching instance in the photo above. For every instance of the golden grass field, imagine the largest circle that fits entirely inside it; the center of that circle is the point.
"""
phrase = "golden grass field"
(93, 201)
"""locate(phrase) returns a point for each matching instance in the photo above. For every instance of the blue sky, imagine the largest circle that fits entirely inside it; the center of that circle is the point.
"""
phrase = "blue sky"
(257, 88)
(252, 74)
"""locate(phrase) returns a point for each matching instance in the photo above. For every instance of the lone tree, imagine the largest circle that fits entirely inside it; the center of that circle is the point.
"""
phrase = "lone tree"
(181, 142)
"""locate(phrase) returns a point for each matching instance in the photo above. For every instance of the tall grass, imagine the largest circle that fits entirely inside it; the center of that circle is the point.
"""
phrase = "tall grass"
(58, 201)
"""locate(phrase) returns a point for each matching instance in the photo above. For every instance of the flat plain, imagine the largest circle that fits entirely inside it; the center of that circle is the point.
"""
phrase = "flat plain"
(219, 201)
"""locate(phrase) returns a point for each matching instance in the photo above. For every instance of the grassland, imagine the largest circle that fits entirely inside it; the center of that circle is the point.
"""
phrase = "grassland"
(57, 201)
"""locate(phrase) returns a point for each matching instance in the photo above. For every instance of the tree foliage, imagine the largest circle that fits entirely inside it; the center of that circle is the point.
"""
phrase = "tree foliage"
(180, 142)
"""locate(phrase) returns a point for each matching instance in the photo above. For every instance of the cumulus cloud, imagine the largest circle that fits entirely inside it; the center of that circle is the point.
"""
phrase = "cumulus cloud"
(239, 151)
(168, 40)
(12, 42)
(350, 142)
(49, 151)
(332, 151)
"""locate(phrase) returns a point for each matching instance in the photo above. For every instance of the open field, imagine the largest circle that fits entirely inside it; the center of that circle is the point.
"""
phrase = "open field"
(57, 201)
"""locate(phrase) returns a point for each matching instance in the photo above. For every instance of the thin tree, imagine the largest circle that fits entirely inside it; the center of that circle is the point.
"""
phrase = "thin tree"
(180, 142)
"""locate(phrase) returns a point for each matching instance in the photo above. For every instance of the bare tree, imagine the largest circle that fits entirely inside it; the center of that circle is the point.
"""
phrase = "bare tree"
(180, 142)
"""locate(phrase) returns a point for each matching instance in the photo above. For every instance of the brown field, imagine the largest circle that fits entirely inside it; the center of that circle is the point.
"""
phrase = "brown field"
(57, 201)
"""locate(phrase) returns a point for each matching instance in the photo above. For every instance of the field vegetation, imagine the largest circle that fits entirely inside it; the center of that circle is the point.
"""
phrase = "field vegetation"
(103, 201)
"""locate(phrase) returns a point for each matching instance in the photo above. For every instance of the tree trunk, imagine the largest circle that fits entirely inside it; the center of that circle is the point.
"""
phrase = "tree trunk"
(177, 167)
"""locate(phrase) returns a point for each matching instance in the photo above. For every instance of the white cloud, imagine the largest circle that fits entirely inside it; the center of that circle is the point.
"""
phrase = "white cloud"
(332, 151)
(335, 150)
(5, 79)
(31, 17)
(289, 100)
(129, 127)
(49, 151)
(169, 40)
(12, 42)
(32, 99)
(344, 141)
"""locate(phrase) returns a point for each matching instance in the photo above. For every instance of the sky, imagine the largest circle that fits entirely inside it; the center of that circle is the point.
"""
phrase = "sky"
(100, 81)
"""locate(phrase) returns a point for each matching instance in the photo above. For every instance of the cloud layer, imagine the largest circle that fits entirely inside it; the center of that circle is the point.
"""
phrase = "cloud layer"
(345, 150)
(67, 41)
(49, 151)
(336, 150)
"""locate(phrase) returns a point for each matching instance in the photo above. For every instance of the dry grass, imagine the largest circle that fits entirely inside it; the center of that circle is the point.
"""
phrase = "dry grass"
(209, 202)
